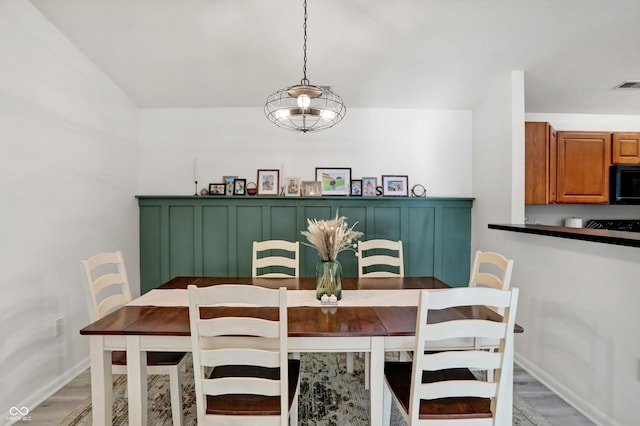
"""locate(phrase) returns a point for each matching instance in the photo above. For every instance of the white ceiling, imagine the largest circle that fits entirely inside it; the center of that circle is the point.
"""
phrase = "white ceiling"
(374, 53)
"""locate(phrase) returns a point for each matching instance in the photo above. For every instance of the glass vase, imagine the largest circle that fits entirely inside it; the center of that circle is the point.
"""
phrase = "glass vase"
(329, 279)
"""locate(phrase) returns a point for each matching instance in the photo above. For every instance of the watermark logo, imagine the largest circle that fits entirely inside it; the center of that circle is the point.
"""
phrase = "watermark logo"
(19, 414)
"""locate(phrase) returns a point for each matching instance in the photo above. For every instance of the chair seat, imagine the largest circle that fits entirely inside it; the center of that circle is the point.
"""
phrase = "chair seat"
(251, 405)
(153, 358)
(398, 376)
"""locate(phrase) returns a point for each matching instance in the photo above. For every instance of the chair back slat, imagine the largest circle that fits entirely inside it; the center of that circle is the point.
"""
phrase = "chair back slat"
(459, 359)
(241, 386)
(111, 303)
(227, 326)
(466, 328)
(236, 294)
(231, 356)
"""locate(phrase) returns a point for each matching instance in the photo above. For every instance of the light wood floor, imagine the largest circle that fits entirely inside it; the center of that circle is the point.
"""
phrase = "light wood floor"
(548, 404)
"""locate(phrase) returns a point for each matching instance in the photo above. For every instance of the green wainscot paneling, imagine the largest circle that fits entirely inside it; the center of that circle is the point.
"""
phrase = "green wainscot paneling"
(189, 235)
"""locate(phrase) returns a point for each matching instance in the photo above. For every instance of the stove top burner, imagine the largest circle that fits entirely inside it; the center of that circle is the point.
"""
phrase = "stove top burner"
(630, 225)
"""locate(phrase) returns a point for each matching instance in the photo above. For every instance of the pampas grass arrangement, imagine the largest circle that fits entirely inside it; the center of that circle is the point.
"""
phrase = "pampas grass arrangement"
(330, 237)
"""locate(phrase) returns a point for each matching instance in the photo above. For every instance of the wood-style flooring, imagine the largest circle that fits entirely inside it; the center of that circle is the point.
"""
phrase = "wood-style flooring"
(548, 404)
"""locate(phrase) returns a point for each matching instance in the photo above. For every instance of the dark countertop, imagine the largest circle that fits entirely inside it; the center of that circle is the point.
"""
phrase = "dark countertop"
(619, 238)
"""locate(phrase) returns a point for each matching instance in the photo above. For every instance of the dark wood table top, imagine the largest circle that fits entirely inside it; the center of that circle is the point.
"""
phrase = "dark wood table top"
(343, 321)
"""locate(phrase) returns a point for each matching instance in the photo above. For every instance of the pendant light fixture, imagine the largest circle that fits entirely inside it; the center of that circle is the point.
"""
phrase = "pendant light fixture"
(305, 107)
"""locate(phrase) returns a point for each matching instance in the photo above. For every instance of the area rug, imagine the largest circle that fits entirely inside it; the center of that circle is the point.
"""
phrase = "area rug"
(329, 396)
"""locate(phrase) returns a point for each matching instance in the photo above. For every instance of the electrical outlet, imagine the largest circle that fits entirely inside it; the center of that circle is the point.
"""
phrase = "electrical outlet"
(59, 326)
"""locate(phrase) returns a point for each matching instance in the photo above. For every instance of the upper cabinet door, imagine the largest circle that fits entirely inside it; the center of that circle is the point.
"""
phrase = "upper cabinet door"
(540, 163)
(625, 148)
(583, 167)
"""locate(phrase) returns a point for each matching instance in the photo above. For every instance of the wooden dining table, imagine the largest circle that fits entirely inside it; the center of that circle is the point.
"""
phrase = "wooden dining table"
(373, 329)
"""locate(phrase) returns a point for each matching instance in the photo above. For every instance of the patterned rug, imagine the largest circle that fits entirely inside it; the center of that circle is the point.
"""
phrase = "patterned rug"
(328, 397)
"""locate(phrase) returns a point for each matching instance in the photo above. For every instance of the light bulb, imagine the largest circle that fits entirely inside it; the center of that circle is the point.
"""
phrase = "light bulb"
(327, 115)
(304, 101)
(282, 113)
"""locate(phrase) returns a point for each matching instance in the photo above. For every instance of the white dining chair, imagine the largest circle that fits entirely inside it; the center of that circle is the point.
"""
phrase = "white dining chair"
(109, 289)
(377, 258)
(276, 259)
(241, 368)
(439, 388)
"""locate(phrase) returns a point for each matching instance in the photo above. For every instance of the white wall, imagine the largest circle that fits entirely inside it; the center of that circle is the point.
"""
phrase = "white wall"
(432, 147)
(68, 176)
(577, 299)
(498, 175)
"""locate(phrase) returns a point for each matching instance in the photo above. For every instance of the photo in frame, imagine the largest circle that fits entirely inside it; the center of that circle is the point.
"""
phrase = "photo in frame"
(292, 186)
(239, 186)
(356, 188)
(311, 188)
(395, 185)
(229, 181)
(369, 185)
(217, 188)
(334, 180)
(268, 181)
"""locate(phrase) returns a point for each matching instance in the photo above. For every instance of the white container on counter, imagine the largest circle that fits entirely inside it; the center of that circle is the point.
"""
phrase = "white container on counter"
(573, 222)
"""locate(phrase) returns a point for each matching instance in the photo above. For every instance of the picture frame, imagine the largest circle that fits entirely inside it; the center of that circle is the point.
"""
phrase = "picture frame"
(311, 188)
(356, 187)
(229, 181)
(334, 180)
(217, 189)
(239, 186)
(395, 185)
(369, 185)
(268, 181)
(292, 187)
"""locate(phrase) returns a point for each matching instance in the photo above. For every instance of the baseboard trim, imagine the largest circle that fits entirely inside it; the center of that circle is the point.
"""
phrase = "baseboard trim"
(54, 386)
(583, 406)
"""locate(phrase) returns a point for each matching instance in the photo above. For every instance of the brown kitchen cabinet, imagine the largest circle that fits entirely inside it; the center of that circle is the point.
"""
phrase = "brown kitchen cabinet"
(540, 163)
(583, 160)
(625, 148)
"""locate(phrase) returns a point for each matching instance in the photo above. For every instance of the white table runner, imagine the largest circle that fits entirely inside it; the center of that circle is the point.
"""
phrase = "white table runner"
(296, 298)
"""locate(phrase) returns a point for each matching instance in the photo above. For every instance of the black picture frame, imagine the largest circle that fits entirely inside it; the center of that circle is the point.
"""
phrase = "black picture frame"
(356, 187)
(239, 186)
(217, 189)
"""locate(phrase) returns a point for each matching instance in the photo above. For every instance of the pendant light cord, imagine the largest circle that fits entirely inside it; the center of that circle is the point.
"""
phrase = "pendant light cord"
(305, 81)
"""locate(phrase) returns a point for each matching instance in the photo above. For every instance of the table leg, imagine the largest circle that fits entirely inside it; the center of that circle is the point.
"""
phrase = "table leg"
(376, 380)
(136, 382)
(101, 382)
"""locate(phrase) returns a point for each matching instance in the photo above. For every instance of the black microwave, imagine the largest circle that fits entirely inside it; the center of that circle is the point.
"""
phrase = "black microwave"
(624, 181)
